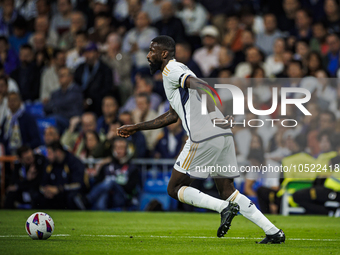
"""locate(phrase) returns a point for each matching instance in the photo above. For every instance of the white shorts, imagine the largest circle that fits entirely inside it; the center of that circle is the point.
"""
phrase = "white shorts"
(215, 157)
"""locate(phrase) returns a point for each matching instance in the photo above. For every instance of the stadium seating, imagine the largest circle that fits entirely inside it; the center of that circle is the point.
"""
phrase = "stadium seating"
(156, 189)
(36, 109)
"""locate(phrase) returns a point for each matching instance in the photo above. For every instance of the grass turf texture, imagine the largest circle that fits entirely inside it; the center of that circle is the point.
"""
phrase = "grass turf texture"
(164, 233)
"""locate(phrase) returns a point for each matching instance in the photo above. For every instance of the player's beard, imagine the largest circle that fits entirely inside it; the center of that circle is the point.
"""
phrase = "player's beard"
(155, 66)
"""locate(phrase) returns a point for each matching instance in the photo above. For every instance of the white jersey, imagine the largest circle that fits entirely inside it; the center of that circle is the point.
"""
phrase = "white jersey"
(187, 104)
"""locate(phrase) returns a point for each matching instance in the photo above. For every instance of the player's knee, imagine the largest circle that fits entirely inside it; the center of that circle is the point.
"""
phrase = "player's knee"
(172, 191)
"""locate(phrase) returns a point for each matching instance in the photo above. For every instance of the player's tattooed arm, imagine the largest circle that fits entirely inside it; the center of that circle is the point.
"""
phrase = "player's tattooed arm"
(161, 121)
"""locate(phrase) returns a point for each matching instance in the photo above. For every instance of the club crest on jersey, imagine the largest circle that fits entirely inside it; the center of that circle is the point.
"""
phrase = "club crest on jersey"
(48, 227)
(36, 219)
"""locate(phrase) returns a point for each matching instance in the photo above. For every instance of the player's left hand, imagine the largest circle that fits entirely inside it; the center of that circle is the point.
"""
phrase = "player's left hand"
(126, 130)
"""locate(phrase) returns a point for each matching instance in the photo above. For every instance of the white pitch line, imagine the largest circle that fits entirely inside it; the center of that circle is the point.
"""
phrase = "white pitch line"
(211, 237)
(187, 237)
(27, 235)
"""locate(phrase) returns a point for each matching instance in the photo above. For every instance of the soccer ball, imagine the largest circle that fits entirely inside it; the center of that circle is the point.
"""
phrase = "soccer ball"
(39, 226)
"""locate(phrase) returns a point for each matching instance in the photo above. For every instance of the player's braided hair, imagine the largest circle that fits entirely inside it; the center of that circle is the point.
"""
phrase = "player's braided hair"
(167, 43)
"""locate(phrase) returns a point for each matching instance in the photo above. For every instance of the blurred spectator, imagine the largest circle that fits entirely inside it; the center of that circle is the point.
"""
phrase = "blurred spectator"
(194, 17)
(247, 40)
(326, 93)
(121, 9)
(3, 98)
(127, 23)
(274, 63)
(61, 21)
(19, 127)
(73, 138)
(20, 35)
(49, 77)
(144, 84)
(250, 20)
(8, 15)
(268, 181)
(302, 52)
(327, 122)
(8, 56)
(226, 62)
(170, 25)
(295, 73)
(233, 33)
(144, 112)
(27, 9)
(91, 142)
(260, 85)
(75, 56)
(101, 28)
(62, 180)
(39, 42)
(287, 57)
(104, 147)
(253, 59)
(51, 135)
(43, 58)
(137, 140)
(316, 7)
(65, 102)
(170, 141)
(12, 84)
(266, 40)
(303, 21)
(120, 63)
(183, 55)
(325, 187)
(43, 7)
(110, 114)
(243, 137)
(137, 40)
(27, 75)
(41, 25)
(314, 63)
(332, 58)
(95, 79)
(67, 41)
(318, 42)
(26, 177)
(116, 182)
(153, 9)
(207, 56)
(332, 19)
(286, 21)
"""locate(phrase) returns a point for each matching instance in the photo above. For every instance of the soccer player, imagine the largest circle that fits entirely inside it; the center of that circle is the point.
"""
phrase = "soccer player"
(205, 146)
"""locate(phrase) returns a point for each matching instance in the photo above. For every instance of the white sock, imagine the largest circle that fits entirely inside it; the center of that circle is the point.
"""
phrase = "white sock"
(249, 210)
(197, 198)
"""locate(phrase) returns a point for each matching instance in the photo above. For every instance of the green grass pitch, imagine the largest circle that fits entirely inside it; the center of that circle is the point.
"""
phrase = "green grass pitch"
(164, 233)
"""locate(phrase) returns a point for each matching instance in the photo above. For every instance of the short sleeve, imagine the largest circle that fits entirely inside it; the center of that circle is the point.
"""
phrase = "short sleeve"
(177, 75)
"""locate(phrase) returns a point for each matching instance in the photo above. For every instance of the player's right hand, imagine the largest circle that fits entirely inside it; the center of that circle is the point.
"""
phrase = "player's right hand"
(126, 130)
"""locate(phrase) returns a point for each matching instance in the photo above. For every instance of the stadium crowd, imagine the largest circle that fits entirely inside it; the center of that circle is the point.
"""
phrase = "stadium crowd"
(83, 63)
